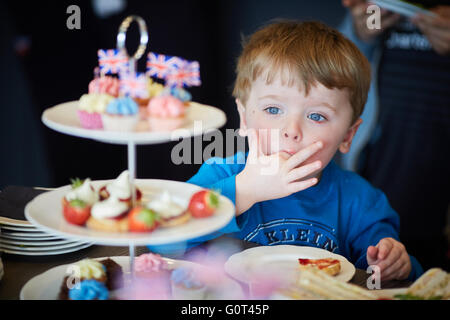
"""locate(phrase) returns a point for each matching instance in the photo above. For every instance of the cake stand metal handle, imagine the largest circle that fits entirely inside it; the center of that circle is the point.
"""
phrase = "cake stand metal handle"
(122, 36)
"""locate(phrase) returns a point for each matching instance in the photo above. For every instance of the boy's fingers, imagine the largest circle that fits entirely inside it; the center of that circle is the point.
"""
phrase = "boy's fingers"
(384, 247)
(303, 171)
(372, 253)
(302, 155)
(301, 185)
(390, 259)
(253, 144)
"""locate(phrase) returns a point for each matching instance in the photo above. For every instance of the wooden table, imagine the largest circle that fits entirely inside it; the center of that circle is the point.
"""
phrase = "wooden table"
(19, 269)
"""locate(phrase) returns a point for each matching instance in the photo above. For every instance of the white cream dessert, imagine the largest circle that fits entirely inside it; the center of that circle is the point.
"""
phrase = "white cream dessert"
(85, 192)
(120, 187)
(170, 212)
(165, 206)
(110, 208)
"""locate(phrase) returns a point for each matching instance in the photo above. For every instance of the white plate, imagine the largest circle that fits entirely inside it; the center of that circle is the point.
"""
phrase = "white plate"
(22, 229)
(14, 222)
(23, 248)
(34, 242)
(28, 236)
(63, 118)
(45, 286)
(45, 211)
(46, 253)
(280, 263)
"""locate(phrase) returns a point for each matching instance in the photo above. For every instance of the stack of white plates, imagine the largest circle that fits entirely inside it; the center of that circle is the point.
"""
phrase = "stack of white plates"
(22, 238)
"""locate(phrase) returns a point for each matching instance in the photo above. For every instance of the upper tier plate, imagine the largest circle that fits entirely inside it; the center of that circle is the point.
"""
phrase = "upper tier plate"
(63, 118)
(45, 212)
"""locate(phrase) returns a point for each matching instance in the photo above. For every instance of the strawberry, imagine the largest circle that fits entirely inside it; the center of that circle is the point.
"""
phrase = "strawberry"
(104, 194)
(203, 203)
(76, 211)
(142, 219)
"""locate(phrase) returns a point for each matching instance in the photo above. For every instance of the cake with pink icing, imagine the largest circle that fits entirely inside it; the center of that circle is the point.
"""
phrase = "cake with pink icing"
(90, 109)
(105, 84)
(166, 113)
(152, 276)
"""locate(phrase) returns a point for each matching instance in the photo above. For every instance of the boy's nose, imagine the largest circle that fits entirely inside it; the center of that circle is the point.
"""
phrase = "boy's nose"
(292, 134)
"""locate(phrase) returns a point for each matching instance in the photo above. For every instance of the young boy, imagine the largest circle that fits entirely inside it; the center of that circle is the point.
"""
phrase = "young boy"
(300, 90)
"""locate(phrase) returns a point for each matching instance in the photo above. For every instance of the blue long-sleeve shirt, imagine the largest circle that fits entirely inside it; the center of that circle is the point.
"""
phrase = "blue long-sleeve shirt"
(343, 213)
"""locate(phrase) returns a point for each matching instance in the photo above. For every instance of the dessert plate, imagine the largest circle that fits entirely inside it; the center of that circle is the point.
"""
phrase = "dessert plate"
(63, 118)
(22, 229)
(280, 263)
(43, 248)
(4, 221)
(45, 286)
(27, 236)
(45, 212)
(46, 252)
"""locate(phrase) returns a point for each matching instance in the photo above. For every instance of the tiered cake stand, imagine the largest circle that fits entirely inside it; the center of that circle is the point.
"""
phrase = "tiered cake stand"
(45, 211)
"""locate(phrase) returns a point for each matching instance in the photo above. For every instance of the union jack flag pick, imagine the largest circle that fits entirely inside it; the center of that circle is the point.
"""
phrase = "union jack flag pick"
(112, 61)
(187, 74)
(160, 65)
(134, 85)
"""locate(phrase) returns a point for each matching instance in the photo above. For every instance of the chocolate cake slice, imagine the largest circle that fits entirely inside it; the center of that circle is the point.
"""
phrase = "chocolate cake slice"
(113, 280)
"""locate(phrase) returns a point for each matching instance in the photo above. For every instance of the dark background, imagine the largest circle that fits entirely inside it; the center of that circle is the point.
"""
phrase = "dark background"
(59, 64)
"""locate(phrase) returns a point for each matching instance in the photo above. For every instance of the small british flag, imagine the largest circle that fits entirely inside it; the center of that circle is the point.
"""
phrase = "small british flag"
(186, 74)
(160, 65)
(112, 61)
(134, 85)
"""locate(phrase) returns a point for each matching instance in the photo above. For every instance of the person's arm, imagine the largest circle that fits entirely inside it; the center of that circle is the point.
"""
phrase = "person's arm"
(374, 240)
(436, 28)
(354, 25)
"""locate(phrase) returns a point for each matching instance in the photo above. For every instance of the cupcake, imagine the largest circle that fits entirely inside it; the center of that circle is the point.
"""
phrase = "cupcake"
(153, 276)
(121, 114)
(105, 84)
(154, 90)
(90, 108)
(186, 285)
(165, 113)
(89, 290)
(91, 279)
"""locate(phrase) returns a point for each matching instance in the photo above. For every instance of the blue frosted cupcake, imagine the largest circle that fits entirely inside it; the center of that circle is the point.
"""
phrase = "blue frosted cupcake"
(186, 285)
(89, 290)
(122, 114)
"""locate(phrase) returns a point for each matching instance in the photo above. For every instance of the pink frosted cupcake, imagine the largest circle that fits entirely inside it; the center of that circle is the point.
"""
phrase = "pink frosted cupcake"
(106, 84)
(165, 113)
(90, 108)
(152, 276)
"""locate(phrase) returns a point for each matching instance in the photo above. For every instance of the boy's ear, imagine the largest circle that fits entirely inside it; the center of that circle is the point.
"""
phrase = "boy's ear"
(243, 122)
(345, 145)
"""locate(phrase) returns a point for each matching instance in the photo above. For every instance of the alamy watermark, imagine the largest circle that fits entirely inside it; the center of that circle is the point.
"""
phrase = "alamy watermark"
(74, 20)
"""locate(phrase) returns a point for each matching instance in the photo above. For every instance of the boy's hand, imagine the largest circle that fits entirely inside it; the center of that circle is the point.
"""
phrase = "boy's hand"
(436, 29)
(358, 10)
(392, 259)
(273, 176)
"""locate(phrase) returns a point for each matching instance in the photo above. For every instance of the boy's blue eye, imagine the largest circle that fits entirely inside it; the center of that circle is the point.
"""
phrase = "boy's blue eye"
(273, 110)
(316, 117)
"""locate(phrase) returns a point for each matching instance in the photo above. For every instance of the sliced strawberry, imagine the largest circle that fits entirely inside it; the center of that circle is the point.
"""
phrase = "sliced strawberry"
(203, 203)
(104, 194)
(76, 211)
(142, 219)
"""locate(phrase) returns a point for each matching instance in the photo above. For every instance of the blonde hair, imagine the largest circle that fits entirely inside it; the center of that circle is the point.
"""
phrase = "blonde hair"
(311, 52)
